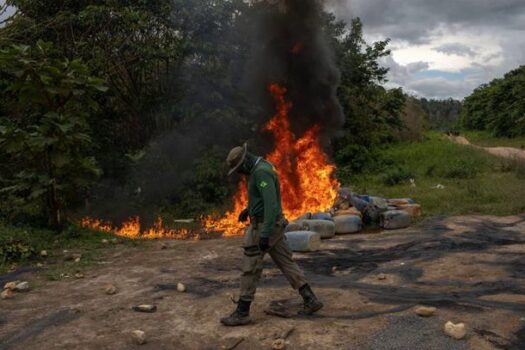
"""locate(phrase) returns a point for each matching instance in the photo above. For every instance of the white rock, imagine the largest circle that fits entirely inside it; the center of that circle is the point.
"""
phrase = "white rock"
(426, 311)
(43, 253)
(279, 344)
(139, 337)
(381, 277)
(77, 260)
(181, 287)
(111, 290)
(22, 287)
(10, 285)
(456, 331)
(79, 275)
(145, 308)
(105, 241)
(72, 256)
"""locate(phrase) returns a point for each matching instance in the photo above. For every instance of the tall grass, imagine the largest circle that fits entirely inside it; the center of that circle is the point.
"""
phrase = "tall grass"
(486, 139)
(474, 181)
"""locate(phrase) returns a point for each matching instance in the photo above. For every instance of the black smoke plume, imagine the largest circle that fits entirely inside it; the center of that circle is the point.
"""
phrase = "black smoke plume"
(284, 43)
(291, 48)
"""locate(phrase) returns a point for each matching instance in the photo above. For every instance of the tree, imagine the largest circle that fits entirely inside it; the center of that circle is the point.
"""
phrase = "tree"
(443, 115)
(44, 134)
(371, 111)
(414, 120)
(133, 45)
(498, 107)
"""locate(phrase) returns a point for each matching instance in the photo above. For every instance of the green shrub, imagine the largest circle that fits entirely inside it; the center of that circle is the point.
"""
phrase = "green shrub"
(15, 250)
(520, 169)
(490, 191)
(396, 176)
(462, 169)
(18, 244)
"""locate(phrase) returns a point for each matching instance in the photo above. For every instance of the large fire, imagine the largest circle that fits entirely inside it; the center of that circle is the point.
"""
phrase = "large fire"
(307, 181)
(307, 177)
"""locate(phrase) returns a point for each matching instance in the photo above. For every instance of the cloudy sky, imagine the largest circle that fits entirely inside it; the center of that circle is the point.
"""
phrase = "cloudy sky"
(443, 48)
(6, 13)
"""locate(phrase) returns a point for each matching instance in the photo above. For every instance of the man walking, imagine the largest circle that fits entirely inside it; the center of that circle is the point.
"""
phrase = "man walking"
(264, 235)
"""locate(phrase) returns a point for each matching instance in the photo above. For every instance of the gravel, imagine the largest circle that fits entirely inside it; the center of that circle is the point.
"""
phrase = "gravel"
(413, 333)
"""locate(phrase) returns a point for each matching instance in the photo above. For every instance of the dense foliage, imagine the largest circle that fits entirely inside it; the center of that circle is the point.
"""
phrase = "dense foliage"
(372, 113)
(443, 115)
(46, 139)
(498, 107)
(415, 121)
(110, 82)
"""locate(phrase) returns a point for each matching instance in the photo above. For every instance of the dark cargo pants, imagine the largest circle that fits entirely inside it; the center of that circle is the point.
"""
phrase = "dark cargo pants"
(253, 260)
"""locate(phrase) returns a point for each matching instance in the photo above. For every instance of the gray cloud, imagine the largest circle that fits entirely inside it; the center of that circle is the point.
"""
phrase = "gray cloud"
(457, 49)
(440, 88)
(416, 21)
(439, 24)
(5, 12)
(413, 83)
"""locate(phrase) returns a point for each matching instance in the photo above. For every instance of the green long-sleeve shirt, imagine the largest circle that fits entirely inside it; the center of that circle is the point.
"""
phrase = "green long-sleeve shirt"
(264, 196)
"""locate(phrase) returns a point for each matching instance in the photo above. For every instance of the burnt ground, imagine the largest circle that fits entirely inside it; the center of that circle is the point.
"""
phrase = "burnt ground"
(471, 268)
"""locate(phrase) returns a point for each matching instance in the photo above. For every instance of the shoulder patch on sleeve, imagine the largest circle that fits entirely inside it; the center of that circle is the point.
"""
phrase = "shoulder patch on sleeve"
(263, 184)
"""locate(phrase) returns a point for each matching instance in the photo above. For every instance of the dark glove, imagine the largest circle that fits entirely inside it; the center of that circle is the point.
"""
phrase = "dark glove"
(264, 244)
(243, 216)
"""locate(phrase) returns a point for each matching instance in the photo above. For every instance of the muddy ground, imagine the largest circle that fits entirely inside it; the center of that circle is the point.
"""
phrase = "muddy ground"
(471, 268)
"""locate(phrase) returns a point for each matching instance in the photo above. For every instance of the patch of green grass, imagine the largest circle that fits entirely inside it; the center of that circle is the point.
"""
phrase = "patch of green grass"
(486, 139)
(475, 182)
(20, 246)
(396, 175)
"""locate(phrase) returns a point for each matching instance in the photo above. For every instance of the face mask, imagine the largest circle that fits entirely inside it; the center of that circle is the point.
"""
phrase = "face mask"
(243, 169)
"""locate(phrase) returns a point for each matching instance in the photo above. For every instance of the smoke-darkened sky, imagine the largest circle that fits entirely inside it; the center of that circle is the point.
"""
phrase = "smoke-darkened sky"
(443, 48)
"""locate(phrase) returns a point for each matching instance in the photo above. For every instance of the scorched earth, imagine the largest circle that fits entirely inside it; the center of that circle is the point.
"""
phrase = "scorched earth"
(472, 269)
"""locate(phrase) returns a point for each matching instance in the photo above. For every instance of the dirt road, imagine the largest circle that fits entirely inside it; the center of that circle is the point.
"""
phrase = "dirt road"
(505, 152)
(471, 268)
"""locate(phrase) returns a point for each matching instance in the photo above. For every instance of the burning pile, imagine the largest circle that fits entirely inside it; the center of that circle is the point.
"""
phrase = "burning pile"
(289, 46)
(307, 177)
(307, 181)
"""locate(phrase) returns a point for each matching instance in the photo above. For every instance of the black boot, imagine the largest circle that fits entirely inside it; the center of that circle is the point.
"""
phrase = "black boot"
(239, 317)
(311, 303)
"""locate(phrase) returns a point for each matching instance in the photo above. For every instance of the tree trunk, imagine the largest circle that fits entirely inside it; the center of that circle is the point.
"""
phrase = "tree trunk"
(53, 204)
(55, 215)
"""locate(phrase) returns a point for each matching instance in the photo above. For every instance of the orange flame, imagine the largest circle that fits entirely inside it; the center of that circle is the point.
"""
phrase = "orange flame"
(307, 177)
(307, 181)
(131, 229)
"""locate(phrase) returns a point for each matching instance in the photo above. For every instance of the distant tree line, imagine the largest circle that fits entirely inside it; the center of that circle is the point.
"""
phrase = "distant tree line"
(498, 107)
(442, 115)
(86, 86)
